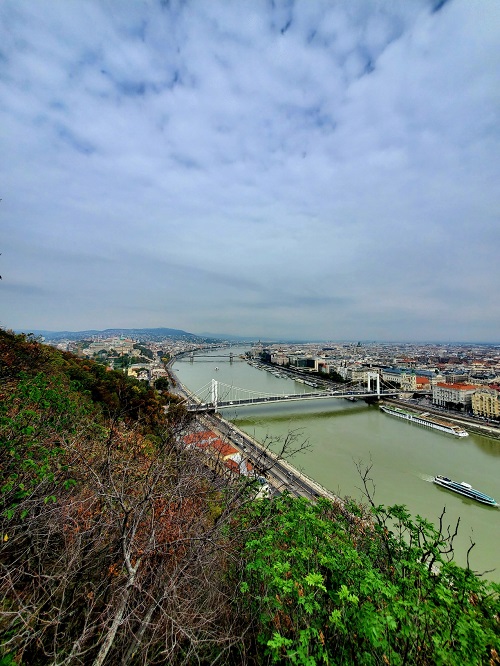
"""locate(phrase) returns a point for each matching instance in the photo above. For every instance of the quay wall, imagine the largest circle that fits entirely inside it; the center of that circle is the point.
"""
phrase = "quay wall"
(470, 424)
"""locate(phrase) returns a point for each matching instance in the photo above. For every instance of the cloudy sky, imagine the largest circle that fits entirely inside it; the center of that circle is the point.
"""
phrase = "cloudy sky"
(303, 169)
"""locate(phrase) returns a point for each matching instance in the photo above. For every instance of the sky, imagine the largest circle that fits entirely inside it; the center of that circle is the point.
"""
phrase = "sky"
(299, 169)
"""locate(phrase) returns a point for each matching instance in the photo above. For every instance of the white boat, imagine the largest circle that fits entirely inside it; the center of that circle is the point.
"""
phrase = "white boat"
(425, 419)
(464, 489)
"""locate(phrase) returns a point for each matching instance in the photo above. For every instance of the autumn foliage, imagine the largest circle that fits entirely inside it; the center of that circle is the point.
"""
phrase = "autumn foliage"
(111, 551)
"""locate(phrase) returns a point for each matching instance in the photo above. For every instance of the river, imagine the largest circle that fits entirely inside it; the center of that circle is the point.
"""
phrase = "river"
(340, 436)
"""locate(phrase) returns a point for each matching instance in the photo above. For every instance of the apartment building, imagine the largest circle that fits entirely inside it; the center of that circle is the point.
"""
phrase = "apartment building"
(303, 362)
(486, 402)
(279, 358)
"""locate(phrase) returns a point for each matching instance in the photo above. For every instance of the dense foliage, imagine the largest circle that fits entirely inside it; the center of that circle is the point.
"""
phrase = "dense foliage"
(111, 392)
(326, 585)
(120, 546)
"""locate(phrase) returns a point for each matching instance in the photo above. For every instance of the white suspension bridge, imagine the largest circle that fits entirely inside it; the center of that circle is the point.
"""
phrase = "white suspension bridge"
(216, 395)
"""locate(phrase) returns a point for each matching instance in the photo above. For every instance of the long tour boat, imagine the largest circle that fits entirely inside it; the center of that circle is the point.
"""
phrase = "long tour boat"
(425, 419)
(464, 489)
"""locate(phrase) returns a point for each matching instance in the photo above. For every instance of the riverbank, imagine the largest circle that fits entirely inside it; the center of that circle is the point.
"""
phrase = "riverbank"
(470, 424)
(280, 474)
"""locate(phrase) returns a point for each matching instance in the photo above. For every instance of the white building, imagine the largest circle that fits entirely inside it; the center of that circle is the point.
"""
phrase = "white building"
(453, 395)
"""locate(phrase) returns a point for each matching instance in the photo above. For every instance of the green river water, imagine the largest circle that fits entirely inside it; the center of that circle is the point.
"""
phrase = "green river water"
(340, 434)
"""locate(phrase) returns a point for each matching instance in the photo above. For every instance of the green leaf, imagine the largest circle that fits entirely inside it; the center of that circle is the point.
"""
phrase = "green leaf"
(315, 580)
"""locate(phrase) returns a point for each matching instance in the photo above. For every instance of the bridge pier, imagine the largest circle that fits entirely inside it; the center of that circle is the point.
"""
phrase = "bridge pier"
(376, 377)
(214, 394)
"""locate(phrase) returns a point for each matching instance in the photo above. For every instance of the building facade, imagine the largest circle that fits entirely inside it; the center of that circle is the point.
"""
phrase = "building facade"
(454, 396)
(405, 379)
(486, 402)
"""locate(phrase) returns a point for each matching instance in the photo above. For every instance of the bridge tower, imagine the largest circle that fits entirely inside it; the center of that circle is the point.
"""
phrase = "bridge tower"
(231, 356)
(191, 357)
(214, 393)
(376, 377)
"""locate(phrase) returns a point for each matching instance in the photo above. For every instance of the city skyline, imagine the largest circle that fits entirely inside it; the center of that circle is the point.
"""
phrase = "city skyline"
(294, 170)
(144, 334)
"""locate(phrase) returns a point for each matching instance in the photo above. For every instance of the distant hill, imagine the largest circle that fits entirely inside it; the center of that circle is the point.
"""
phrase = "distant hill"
(152, 334)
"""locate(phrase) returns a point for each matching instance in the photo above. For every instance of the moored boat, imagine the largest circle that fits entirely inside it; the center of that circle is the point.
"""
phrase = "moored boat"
(425, 419)
(464, 489)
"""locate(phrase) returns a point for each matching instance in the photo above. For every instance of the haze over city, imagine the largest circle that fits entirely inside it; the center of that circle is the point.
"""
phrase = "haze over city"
(309, 170)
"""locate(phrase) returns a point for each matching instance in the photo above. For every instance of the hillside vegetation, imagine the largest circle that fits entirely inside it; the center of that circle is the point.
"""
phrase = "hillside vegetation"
(120, 546)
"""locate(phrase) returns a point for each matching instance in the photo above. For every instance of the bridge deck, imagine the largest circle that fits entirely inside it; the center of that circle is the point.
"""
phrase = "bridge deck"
(259, 400)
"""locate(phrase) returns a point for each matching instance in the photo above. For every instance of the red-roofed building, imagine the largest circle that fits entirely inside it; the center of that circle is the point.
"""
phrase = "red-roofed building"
(245, 467)
(222, 454)
(224, 449)
(423, 383)
(456, 396)
(233, 466)
(201, 439)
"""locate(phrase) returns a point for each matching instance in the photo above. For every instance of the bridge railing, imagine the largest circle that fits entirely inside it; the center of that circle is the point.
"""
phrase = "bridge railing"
(256, 400)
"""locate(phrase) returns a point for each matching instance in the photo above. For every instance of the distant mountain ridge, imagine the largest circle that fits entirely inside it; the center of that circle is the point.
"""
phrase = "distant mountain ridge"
(149, 333)
(156, 334)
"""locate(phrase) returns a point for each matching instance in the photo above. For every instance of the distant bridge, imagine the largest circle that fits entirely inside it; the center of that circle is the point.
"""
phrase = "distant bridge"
(192, 356)
(217, 395)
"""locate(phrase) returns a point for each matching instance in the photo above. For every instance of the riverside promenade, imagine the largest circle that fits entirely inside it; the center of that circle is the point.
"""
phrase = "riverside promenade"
(469, 423)
(279, 473)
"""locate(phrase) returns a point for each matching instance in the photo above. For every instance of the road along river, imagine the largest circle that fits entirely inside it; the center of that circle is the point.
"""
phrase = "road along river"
(340, 434)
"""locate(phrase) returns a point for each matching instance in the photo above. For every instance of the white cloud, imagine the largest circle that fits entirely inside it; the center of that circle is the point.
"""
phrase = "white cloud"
(302, 169)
